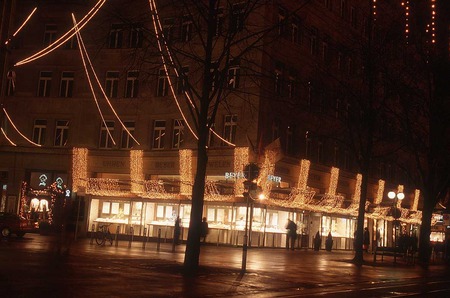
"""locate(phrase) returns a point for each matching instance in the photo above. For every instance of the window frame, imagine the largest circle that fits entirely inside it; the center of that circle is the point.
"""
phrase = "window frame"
(159, 132)
(39, 131)
(105, 141)
(66, 84)
(61, 133)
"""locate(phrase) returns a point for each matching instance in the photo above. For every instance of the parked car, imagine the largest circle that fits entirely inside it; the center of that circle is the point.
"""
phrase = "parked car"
(11, 223)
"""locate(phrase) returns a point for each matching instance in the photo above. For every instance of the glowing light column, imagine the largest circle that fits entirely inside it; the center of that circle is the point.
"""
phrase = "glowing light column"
(380, 192)
(186, 179)
(240, 160)
(136, 171)
(333, 181)
(304, 174)
(79, 169)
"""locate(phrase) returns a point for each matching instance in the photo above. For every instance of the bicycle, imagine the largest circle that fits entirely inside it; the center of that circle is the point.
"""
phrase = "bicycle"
(103, 235)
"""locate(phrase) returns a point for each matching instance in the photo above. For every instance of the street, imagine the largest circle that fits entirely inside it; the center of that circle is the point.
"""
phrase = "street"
(31, 267)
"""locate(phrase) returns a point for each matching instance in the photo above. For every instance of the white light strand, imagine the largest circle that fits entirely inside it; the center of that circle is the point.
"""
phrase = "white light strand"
(18, 131)
(334, 177)
(8, 139)
(185, 171)
(92, 88)
(380, 192)
(65, 37)
(80, 39)
(357, 194)
(79, 169)
(240, 160)
(304, 174)
(136, 171)
(268, 168)
(212, 193)
(21, 26)
(157, 25)
(400, 189)
(416, 200)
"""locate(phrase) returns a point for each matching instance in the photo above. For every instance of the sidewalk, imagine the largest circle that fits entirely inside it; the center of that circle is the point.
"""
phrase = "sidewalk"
(30, 269)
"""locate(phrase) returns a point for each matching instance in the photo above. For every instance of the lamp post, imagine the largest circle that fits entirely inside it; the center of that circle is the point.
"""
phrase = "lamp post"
(396, 213)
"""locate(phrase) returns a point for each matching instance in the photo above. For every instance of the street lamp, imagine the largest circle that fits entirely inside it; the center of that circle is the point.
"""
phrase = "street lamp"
(396, 213)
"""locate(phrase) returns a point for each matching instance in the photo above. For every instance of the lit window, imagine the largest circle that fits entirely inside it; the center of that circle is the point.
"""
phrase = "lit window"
(45, 79)
(116, 36)
(61, 133)
(159, 132)
(66, 87)
(132, 86)
(112, 83)
(40, 126)
(127, 141)
(49, 34)
(106, 140)
(229, 128)
(178, 133)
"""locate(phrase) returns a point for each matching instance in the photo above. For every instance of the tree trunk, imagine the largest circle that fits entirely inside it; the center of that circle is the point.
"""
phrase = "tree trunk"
(425, 231)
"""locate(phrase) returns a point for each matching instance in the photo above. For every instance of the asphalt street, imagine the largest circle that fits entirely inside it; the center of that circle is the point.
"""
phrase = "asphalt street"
(32, 267)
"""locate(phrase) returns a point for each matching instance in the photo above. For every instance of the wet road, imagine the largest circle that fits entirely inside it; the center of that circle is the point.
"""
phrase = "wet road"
(31, 267)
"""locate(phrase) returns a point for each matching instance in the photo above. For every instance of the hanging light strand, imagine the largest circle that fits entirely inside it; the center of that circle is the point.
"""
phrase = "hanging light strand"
(21, 26)
(18, 131)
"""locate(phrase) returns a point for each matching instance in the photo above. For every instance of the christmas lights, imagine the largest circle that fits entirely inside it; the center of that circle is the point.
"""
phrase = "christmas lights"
(268, 168)
(185, 172)
(136, 170)
(304, 174)
(154, 189)
(79, 169)
(416, 200)
(380, 192)
(333, 181)
(104, 187)
(21, 26)
(18, 131)
(240, 160)
(213, 194)
(7, 138)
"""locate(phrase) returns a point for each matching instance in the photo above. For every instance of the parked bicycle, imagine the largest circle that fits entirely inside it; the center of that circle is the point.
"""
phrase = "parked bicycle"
(103, 235)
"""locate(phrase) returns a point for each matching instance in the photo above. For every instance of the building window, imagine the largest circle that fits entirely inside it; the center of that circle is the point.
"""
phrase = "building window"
(136, 36)
(295, 30)
(186, 28)
(40, 126)
(343, 8)
(11, 83)
(112, 83)
(106, 140)
(72, 43)
(178, 133)
(132, 86)
(308, 145)
(290, 139)
(229, 128)
(219, 21)
(214, 75)
(237, 17)
(127, 141)
(66, 88)
(49, 34)
(163, 83)
(159, 131)
(281, 21)
(313, 42)
(61, 133)
(168, 27)
(116, 36)
(278, 77)
(45, 80)
(183, 80)
(233, 74)
(353, 20)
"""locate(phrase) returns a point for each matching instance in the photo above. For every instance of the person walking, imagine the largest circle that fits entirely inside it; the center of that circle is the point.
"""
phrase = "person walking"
(177, 231)
(317, 241)
(366, 240)
(291, 228)
(329, 242)
(204, 230)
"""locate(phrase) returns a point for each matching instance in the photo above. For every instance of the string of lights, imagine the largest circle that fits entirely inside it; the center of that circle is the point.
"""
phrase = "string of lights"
(80, 39)
(136, 170)
(79, 168)
(7, 138)
(21, 26)
(240, 160)
(65, 37)
(185, 171)
(18, 131)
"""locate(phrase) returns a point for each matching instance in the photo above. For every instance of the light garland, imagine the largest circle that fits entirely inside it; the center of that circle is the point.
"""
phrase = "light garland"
(433, 21)
(83, 51)
(79, 169)
(104, 187)
(400, 189)
(304, 174)
(380, 192)
(333, 181)
(21, 26)
(186, 181)
(7, 138)
(240, 160)
(407, 6)
(268, 168)
(357, 194)
(136, 170)
(66, 36)
(213, 194)
(374, 9)
(416, 200)
(18, 131)
(154, 189)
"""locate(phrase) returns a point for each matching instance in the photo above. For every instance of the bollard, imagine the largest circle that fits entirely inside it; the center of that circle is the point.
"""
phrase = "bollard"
(116, 238)
(144, 241)
(131, 237)
(158, 241)
(92, 233)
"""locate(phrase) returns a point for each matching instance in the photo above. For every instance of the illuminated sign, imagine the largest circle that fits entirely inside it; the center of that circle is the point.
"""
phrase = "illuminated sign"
(234, 175)
(42, 180)
(274, 178)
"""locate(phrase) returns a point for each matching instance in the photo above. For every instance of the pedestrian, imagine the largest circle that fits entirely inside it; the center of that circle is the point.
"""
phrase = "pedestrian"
(329, 242)
(366, 240)
(317, 241)
(291, 235)
(204, 230)
(177, 231)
